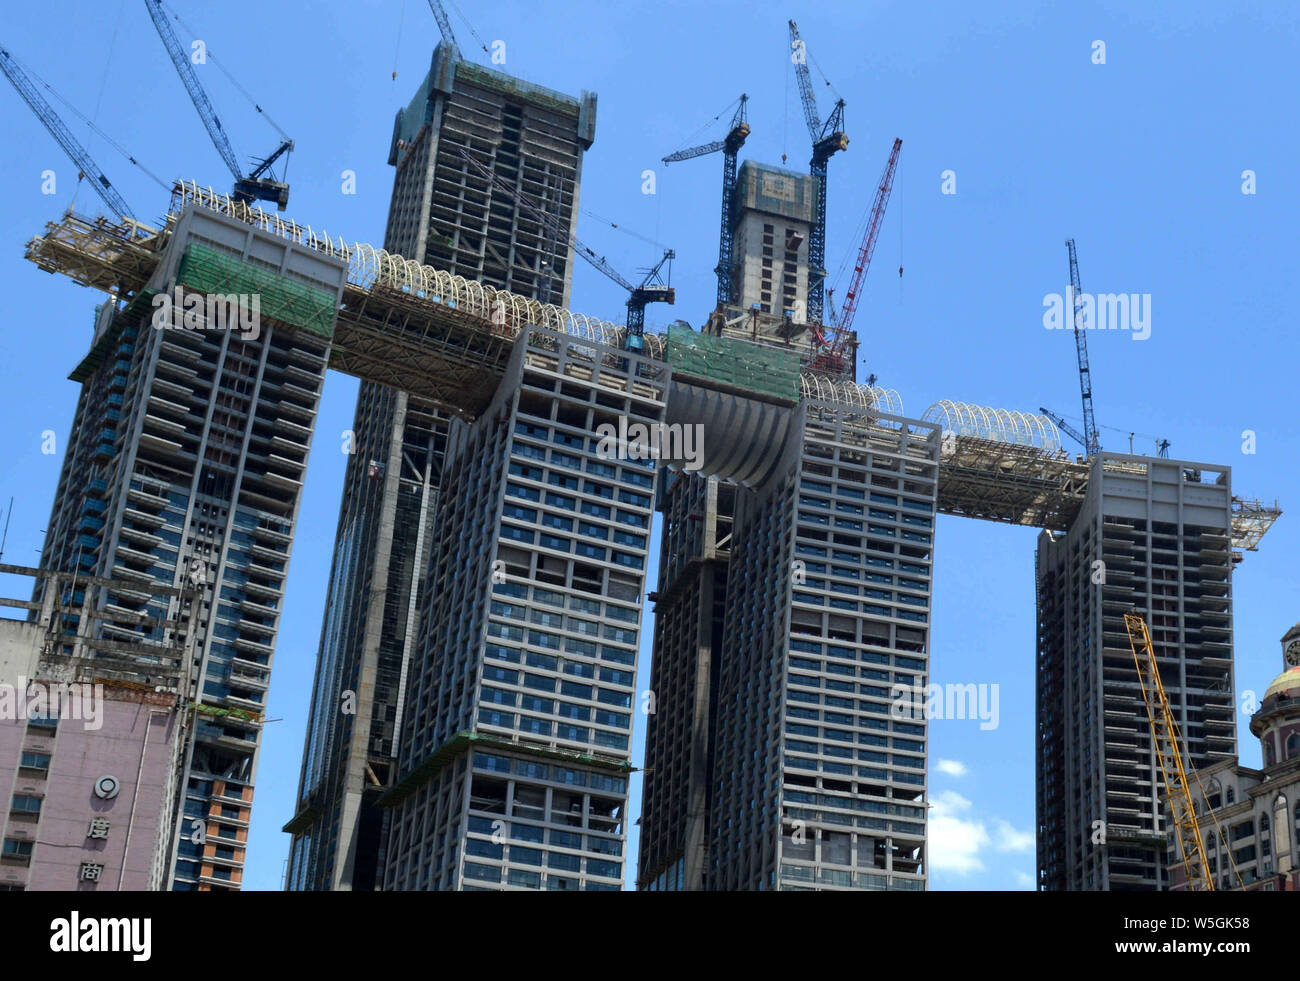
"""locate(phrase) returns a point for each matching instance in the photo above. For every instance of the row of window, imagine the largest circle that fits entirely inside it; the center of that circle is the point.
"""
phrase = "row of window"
(562, 480)
(838, 650)
(527, 879)
(550, 641)
(547, 728)
(534, 770)
(580, 548)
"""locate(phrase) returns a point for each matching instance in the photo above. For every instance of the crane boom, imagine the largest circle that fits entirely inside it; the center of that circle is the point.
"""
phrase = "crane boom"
(254, 186)
(75, 151)
(868, 248)
(444, 24)
(192, 85)
(696, 151)
(730, 145)
(1065, 427)
(1092, 443)
(1164, 735)
(799, 54)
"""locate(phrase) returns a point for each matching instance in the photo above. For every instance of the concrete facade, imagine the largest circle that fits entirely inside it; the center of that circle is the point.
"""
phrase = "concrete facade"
(774, 213)
(443, 213)
(816, 781)
(185, 466)
(1154, 534)
(91, 746)
(1250, 819)
(516, 744)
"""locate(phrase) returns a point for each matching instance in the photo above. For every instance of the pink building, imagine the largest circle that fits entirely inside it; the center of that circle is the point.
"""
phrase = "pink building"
(90, 751)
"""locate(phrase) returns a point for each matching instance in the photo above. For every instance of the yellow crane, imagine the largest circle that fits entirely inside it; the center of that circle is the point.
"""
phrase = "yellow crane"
(1164, 733)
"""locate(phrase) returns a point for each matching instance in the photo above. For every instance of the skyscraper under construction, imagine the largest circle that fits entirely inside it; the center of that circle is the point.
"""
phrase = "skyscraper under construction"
(184, 467)
(1156, 535)
(445, 213)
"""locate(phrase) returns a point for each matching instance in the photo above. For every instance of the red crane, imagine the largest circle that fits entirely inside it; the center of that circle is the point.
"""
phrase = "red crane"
(845, 325)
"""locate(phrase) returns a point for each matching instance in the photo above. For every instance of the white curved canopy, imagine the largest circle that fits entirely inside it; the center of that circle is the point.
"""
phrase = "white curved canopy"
(1001, 425)
(884, 400)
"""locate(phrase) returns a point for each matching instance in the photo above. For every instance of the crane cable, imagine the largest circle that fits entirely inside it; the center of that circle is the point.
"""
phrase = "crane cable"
(87, 120)
(397, 50)
(689, 141)
(626, 231)
(471, 27)
(108, 62)
(234, 81)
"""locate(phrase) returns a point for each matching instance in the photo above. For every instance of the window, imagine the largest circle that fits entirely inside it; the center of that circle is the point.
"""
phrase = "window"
(25, 804)
(35, 761)
(13, 848)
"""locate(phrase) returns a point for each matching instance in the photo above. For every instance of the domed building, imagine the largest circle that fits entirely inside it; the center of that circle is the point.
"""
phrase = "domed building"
(1250, 819)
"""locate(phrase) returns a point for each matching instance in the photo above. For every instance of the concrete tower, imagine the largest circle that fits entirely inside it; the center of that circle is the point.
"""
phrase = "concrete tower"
(185, 465)
(445, 214)
(1153, 534)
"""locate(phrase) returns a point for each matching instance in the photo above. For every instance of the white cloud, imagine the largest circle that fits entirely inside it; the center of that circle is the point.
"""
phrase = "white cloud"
(1011, 840)
(953, 768)
(955, 842)
(959, 839)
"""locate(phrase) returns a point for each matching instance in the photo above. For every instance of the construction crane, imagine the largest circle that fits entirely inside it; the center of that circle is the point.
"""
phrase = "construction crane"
(444, 25)
(253, 186)
(1091, 442)
(730, 146)
(653, 288)
(75, 151)
(1065, 427)
(1166, 742)
(827, 140)
(844, 322)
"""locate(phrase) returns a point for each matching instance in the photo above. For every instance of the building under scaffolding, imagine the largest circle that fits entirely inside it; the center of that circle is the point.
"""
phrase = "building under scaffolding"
(800, 455)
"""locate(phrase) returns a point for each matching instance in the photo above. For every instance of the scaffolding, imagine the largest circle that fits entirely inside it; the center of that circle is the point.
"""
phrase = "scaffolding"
(280, 298)
(448, 339)
(735, 363)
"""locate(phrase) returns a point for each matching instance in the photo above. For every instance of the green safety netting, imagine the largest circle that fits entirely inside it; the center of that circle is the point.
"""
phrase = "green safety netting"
(282, 299)
(734, 362)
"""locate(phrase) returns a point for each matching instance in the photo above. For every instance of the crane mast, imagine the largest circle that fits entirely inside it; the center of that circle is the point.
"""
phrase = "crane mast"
(730, 147)
(827, 140)
(1091, 442)
(75, 151)
(1164, 735)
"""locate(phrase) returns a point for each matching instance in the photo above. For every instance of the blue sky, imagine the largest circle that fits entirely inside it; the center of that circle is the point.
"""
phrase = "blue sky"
(1140, 159)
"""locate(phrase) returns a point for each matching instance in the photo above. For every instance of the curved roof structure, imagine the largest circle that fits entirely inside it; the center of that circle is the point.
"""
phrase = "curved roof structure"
(999, 425)
(884, 400)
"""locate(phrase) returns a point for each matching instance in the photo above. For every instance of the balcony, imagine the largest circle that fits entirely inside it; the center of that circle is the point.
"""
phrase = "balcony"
(143, 517)
(244, 644)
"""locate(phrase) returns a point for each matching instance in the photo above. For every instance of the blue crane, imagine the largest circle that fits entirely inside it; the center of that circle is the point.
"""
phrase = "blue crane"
(827, 140)
(1090, 440)
(75, 151)
(730, 146)
(253, 186)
